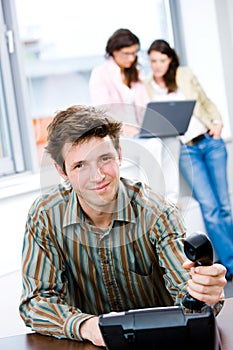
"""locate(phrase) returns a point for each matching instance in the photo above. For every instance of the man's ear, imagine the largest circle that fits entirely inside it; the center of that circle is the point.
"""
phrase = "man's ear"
(61, 171)
(120, 155)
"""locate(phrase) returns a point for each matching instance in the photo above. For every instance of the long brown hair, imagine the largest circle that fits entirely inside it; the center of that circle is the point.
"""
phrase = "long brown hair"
(170, 77)
(124, 38)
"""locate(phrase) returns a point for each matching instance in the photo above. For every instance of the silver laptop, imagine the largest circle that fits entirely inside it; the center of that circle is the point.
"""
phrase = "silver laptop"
(167, 118)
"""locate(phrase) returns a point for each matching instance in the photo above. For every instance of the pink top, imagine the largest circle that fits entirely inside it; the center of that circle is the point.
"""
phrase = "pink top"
(107, 88)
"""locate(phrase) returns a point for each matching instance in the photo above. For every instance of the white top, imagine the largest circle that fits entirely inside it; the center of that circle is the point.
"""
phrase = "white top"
(129, 94)
(195, 128)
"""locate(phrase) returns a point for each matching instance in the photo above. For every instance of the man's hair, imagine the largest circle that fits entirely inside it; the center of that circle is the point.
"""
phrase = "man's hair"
(77, 124)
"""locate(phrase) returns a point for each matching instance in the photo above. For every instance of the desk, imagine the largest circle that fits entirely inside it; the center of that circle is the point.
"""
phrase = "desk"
(35, 341)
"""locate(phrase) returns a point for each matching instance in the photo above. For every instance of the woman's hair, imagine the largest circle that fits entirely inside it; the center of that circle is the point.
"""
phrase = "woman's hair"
(124, 38)
(77, 124)
(170, 77)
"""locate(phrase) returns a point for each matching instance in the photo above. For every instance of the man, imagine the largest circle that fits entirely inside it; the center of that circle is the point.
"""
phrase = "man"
(98, 243)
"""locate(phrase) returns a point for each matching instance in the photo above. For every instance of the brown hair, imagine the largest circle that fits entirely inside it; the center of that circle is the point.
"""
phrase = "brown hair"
(77, 124)
(170, 77)
(124, 38)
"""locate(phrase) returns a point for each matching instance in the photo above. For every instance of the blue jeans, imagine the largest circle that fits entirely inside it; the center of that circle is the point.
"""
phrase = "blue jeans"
(204, 167)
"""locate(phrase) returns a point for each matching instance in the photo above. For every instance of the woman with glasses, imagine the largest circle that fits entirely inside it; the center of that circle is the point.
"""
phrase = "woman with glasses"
(117, 81)
(117, 85)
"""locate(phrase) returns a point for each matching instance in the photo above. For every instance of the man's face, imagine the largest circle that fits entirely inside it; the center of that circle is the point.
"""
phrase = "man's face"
(92, 167)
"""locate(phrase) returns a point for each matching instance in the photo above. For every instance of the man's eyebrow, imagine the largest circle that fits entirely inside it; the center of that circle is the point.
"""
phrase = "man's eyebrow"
(76, 162)
(106, 154)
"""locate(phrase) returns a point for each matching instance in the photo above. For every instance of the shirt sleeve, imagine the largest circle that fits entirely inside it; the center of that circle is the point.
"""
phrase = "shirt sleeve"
(168, 238)
(44, 302)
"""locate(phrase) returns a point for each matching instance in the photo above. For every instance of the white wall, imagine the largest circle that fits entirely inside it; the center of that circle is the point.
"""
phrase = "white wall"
(204, 54)
(13, 218)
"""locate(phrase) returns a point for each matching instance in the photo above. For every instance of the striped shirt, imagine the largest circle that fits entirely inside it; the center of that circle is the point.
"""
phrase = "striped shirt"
(73, 270)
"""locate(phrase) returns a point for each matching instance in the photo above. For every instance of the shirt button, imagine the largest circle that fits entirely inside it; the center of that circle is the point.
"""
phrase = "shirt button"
(72, 335)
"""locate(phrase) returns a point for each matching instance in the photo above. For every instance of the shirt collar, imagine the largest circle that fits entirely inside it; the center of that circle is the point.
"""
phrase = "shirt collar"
(124, 210)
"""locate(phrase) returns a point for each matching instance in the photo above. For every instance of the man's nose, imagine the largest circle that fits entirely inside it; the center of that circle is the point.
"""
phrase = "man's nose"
(96, 173)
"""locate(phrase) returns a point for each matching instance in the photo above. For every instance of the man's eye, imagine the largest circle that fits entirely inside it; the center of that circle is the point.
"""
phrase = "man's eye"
(106, 158)
(79, 166)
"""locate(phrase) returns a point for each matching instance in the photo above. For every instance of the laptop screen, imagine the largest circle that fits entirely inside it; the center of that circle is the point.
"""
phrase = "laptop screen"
(167, 118)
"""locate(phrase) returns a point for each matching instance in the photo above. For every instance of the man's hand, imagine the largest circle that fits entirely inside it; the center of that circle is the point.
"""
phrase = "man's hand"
(90, 330)
(207, 282)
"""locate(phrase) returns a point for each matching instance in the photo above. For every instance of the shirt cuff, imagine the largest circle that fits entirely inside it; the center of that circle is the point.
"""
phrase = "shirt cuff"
(72, 325)
(218, 307)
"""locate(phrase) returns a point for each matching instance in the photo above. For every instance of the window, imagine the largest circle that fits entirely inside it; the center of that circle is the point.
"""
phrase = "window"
(11, 158)
(16, 147)
(47, 51)
(6, 162)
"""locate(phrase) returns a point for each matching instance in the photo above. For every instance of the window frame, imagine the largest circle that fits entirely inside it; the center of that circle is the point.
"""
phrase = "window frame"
(20, 130)
(7, 163)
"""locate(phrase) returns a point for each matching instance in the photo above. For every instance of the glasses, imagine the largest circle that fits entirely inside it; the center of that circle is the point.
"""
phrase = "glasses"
(127, 54)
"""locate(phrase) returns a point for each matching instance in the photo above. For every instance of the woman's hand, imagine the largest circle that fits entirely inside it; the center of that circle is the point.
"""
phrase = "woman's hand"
(216, 131)
(207, 282)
